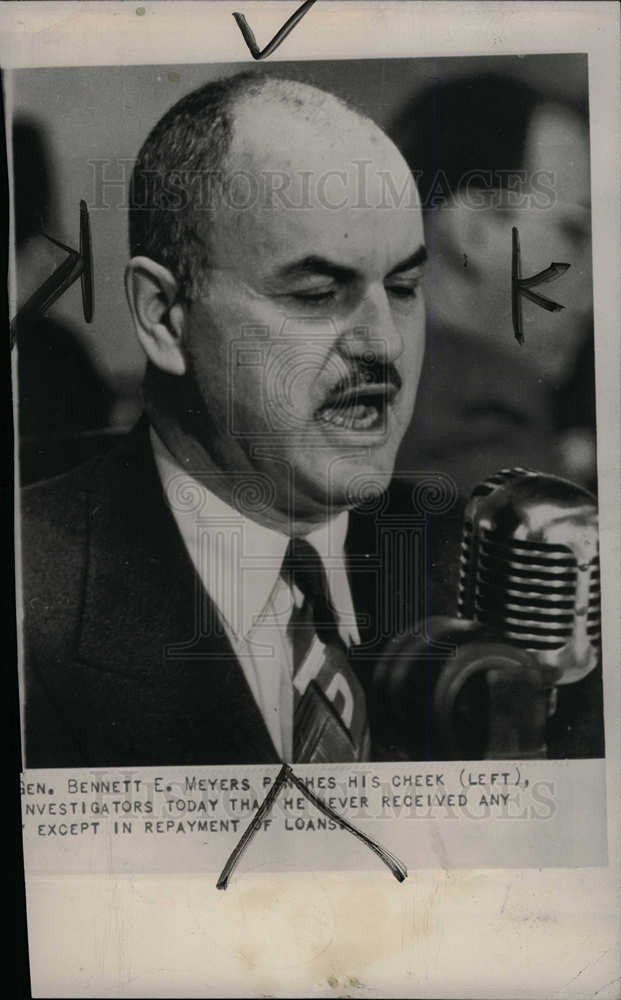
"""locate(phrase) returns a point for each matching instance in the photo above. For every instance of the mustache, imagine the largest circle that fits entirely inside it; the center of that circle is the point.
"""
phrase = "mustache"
(381, 376)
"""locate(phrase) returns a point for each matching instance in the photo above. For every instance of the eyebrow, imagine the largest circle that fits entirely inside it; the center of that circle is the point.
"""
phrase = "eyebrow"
(314, 264)
(416, 259)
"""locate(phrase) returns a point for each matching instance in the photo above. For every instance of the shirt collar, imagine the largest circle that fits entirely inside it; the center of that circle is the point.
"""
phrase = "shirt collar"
(237, 559)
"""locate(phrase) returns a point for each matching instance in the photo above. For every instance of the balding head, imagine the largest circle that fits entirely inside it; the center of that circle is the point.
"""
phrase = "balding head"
(253, 142)
(300, 159)
(271, 106)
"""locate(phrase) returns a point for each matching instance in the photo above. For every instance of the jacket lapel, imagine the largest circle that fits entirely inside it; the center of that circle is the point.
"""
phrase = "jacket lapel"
(177, 693)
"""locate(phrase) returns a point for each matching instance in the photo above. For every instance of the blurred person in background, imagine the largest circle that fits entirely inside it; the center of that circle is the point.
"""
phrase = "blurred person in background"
(62, 398)
(486, 401)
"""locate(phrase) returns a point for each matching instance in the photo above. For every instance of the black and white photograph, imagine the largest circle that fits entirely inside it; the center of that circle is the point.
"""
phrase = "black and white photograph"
(345, 473)
(308, 470)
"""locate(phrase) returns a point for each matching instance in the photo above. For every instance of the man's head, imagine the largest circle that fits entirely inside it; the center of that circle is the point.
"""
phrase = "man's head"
(275, 287)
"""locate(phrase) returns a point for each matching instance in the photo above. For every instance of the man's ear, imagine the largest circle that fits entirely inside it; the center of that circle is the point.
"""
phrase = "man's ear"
(158, 317)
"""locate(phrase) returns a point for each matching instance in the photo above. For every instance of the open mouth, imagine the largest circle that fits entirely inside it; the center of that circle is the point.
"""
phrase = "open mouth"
(360, 408)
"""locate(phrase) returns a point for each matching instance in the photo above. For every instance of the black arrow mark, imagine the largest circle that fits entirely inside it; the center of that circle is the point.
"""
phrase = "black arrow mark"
(278, 38)
(77, 264)
(522, 286)
(285, 774)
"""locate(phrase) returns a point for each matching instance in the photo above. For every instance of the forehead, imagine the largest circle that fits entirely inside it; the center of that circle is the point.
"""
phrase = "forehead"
(324, 183)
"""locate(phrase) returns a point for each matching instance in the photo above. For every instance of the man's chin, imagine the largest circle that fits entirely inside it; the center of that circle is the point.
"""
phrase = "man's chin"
(323, 488)
(355, 483)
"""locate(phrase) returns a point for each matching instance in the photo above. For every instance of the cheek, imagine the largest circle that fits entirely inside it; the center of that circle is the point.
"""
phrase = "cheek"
(413, 338)
(274, 387)
(290, 376)
(225, 345)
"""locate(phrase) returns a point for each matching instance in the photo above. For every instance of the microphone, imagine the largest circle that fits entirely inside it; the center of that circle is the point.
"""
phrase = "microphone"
(528, 619)
(529, 568)
(482, 699)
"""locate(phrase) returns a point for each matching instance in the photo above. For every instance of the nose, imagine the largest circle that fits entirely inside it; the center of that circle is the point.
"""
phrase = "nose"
(373, 334)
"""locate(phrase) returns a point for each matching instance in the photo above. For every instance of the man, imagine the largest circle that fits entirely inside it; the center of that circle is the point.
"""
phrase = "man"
(193, 596)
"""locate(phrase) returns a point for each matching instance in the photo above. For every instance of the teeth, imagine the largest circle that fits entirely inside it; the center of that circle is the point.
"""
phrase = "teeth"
(367, 421)
(359, 417)
(358, 411)
(331, 416)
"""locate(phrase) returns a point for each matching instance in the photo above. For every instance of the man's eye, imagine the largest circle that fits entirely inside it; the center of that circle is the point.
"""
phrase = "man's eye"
(404, 291)
(326, 295)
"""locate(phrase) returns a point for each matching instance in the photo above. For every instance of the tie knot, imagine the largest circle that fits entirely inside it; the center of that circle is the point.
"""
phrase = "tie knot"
(303, 567)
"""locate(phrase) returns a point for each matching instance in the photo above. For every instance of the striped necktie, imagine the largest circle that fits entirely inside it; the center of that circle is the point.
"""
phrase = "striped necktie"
(330, 716)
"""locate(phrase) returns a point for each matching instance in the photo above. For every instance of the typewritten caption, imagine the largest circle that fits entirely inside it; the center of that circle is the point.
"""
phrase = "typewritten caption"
(150, 819)
(219, 804)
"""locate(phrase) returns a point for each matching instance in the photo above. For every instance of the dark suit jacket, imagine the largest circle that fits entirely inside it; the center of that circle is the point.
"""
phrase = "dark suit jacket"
(117, 670)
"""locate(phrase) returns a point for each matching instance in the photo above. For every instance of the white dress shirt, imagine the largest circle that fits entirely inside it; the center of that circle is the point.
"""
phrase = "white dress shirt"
(238, 562)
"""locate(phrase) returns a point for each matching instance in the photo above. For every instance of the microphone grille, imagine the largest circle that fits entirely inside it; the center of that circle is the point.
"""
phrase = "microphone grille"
(529, 564)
